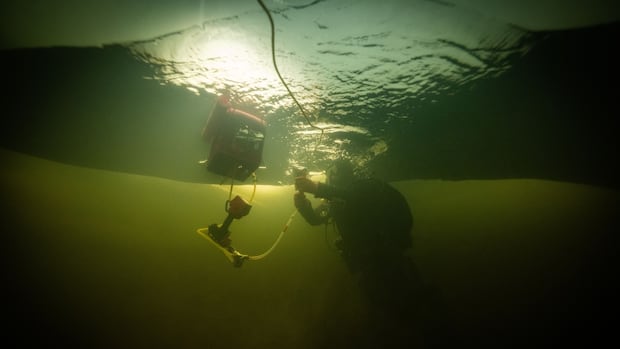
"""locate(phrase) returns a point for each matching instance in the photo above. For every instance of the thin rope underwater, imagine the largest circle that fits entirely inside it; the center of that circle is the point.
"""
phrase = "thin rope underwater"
(275, 66)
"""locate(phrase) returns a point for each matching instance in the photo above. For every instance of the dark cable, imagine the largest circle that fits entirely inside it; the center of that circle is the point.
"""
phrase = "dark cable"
(275, 65)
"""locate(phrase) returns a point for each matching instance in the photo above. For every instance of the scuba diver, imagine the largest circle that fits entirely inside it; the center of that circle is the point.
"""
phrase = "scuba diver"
(374, 222)
(374, 219)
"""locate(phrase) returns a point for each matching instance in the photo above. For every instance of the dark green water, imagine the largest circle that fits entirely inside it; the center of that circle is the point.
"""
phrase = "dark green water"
(550, 116)
(511, 179)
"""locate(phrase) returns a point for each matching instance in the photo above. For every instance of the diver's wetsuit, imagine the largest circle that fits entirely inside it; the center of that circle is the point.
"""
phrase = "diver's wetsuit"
(372, 217)
(375, 222)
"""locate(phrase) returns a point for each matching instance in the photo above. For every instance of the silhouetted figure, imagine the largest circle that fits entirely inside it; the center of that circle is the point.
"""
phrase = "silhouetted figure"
(375, 223)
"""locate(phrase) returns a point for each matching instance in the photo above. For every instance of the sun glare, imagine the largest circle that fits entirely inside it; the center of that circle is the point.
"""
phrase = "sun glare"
(234, 62)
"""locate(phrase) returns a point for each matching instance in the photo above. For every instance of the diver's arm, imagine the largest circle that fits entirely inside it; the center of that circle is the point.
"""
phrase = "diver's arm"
(304, 207)
(326, 191)
(320, 190)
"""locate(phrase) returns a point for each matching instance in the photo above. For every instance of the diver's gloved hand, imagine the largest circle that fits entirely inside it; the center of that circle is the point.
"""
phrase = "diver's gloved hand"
(301, 201)
(306, 185)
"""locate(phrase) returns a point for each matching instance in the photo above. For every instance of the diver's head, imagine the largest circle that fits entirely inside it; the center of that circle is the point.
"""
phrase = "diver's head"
(340, 173)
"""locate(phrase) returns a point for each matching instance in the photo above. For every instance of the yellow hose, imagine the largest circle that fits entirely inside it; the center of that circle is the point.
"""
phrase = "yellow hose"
(233, 255)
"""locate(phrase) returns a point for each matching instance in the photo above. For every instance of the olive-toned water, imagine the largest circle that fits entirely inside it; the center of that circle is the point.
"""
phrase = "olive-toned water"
(503, 142)
(105, 259)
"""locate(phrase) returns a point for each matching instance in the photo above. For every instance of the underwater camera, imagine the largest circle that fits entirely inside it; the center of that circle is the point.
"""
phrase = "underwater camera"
(237, 139)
